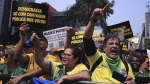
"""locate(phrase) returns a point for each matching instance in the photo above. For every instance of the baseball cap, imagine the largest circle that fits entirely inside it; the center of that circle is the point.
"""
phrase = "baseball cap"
(28, 43)
(42, 36)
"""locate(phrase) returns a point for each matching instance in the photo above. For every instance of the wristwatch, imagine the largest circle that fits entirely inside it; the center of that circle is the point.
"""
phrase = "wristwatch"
(93, 20)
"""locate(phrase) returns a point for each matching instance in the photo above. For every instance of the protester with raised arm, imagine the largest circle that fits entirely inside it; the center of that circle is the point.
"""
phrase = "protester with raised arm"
(32, 68)
(110, 60)
(70, 68)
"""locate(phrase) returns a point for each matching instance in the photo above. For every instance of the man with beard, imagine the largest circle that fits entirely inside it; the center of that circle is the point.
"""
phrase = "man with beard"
(111, 61)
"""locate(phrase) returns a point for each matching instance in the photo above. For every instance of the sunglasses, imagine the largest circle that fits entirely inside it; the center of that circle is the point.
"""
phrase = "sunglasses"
(41, 39)
(6, 55)
(65, 54)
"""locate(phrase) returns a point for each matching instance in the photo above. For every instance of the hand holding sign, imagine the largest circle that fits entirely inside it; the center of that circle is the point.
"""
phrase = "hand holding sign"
(99, 13)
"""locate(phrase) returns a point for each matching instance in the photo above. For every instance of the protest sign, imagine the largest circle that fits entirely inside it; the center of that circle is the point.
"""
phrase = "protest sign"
(77, 38)
(32, 13)
(55, 37)
(134, 39)
(124, 25)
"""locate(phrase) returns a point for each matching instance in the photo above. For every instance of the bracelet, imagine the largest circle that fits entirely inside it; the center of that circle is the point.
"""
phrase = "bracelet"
(93, 20)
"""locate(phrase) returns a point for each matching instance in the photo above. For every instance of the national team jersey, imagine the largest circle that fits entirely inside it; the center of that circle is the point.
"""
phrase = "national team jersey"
(54, 69)
(32, 64)
(102, 72)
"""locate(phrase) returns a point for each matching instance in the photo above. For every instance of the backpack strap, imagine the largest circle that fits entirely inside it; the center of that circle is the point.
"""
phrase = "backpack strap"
(126, 65)
(100, 59)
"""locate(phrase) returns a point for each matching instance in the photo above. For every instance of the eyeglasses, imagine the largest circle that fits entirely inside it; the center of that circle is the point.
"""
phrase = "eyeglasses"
(41, 39)
(65, 54)
(6, 55)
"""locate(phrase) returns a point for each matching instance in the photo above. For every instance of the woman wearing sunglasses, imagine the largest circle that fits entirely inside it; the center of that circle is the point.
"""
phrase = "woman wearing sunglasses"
(10, 65)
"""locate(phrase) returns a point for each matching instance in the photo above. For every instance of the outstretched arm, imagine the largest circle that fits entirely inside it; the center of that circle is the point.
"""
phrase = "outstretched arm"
(75, 77)
(69, 30)
(36, 73)
(97, 14)
(20, 45)
(39, 59)
(89, 44)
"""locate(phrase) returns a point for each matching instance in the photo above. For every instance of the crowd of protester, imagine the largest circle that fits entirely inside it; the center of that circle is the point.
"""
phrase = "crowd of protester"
(90, 62)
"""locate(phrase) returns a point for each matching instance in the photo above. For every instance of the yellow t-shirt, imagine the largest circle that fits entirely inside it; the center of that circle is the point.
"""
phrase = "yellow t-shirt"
(149, 61)
(78, 68)
(32, 64)
(2, 60)
(49, 58)
(102, 73)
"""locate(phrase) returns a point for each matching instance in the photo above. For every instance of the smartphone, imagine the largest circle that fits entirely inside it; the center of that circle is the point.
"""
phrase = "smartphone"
(118, 76)
(121, 34)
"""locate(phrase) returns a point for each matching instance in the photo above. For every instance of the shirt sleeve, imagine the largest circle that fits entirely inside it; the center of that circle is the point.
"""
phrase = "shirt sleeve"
(89, 46)
(1, 68)
(20, 71)
(82, 68)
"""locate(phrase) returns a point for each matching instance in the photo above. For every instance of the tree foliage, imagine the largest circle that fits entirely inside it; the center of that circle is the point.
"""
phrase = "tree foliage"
(82, 10)
(147, 44)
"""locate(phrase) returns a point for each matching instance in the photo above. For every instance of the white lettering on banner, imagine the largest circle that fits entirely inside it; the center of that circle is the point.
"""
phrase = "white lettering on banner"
(56, 37)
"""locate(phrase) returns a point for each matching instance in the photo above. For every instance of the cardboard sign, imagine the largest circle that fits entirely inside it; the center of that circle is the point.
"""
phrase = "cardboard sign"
(32, 13)
(124, 25)
(55, 37)
(134, 39)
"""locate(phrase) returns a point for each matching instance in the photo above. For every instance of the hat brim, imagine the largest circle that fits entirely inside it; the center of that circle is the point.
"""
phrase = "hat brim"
(42, 36)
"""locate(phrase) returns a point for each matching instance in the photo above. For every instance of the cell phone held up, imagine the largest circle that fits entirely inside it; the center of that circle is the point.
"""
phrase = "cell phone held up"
(118, 76)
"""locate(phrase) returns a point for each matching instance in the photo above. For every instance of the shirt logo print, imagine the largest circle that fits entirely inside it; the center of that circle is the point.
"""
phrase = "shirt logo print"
(104, 65)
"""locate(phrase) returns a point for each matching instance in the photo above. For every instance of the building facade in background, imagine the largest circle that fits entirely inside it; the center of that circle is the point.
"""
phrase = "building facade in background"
(1, 12)
(50, 11)
(147, 24)
(59, 18)
(145, 33)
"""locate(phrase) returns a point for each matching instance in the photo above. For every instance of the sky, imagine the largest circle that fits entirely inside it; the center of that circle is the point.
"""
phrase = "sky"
(132, 10)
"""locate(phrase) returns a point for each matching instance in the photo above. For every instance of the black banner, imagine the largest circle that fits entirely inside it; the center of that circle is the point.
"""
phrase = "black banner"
(124, 25)
(32, 13)
(77, 37)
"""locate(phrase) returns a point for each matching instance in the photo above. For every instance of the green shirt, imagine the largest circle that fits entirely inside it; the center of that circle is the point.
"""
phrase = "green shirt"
(141, 74)
(15, 72)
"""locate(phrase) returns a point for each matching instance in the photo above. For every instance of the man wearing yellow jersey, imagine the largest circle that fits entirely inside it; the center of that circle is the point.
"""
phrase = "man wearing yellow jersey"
(29, 58)
(71, 68)
(32, 67)
(111, 61)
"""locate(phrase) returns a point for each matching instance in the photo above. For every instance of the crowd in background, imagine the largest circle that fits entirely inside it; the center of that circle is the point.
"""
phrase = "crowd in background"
(30, 59)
